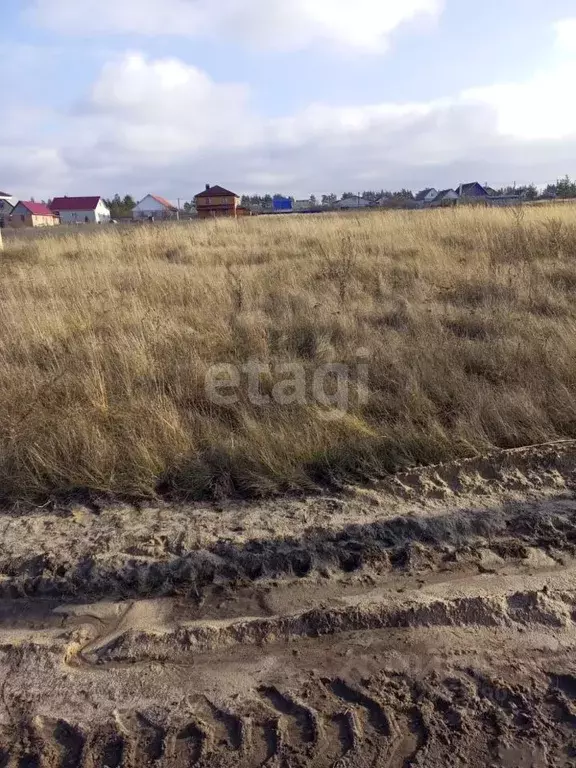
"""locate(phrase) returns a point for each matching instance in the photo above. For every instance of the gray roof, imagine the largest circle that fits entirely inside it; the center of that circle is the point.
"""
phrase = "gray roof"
(443, 193)
(465, 189)
(424, 193)
(352, 202)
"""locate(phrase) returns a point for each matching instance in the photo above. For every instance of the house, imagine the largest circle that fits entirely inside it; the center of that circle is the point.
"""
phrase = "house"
(349, 203)
(426, 196)
(473, 192)
(216, 201)
(444, 198)
(7, 203)
(154, 206)
(382, 201)
(8, 198)
(80, 210)
(27, 213)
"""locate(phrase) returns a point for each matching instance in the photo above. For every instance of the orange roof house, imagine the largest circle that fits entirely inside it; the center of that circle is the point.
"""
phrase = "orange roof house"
(154, 206)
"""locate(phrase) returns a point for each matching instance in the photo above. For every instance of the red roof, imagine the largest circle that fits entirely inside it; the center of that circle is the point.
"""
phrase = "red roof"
(217, 191)
(37, 209)
(74, 203)
(164, 202)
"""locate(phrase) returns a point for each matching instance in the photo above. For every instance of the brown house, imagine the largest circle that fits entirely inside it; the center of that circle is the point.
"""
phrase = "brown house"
(217, 201)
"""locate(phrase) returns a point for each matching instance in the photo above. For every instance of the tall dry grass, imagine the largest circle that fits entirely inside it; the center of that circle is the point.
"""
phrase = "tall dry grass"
(469, 317)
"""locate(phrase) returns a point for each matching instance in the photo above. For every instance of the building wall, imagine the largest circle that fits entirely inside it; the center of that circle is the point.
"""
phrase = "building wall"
(6, 209)
(209, 207)
(150, 207)
(102, 213)
(20, 217)
(98, 216)
(78, 217)
(450, 198)
(44, 221)
(476, 194)
(208, 202)
(352, 202)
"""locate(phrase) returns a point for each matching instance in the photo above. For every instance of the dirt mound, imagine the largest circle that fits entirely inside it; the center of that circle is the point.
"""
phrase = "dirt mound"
(427, 621)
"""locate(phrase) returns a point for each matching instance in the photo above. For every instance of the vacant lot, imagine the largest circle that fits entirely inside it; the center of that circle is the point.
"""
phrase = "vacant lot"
(468, 319)
(428, 619)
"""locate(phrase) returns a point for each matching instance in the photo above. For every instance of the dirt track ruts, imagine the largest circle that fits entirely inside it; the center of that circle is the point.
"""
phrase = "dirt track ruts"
(429, 620)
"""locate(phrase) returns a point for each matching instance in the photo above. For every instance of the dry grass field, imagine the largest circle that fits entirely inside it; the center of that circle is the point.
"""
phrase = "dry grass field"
(468, 316)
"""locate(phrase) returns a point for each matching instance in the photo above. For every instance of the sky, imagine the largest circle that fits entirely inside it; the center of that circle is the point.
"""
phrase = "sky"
(293, 96)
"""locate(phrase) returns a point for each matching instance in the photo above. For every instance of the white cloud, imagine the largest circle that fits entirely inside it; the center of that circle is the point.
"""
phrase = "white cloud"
(165, 126)
(566, 35)
(542, 106)
(166, 105)
(292, 24)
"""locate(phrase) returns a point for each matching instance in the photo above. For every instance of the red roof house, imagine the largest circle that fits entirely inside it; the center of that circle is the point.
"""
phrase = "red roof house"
(77, 210)
(27, 213)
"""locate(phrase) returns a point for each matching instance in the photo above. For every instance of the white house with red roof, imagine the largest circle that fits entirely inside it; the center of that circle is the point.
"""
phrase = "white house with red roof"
(80, 210)
(154, 206)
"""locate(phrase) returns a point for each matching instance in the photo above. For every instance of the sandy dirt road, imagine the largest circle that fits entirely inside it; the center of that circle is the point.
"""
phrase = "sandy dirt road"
(426, 621)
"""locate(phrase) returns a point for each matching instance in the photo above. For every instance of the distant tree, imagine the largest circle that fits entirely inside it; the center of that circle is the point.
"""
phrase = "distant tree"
(530, 192)
(566, 187)
(348, 195)
(245, 201)
(329, 200)
(313, 200)
(372, 195)
(550, 190)
(404, 194)
(527, 191)
(120, 207)
(267, 201)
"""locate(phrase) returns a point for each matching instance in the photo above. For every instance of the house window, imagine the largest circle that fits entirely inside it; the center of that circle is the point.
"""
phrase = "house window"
(23, 217)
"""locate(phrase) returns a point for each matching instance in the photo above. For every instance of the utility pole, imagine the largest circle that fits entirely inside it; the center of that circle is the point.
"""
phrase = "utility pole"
(178, 211)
